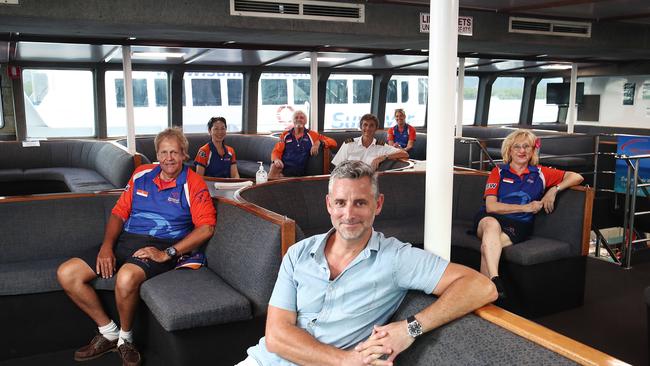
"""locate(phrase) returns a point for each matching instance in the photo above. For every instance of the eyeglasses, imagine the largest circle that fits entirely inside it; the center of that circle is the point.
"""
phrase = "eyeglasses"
(522, 147)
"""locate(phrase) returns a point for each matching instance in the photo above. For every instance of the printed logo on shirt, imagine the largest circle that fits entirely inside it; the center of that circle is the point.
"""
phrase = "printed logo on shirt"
(174, 197)
(530, 180)
(289, 140)
(508, 180)
(142, 193)
(202, 154)
(490, 186)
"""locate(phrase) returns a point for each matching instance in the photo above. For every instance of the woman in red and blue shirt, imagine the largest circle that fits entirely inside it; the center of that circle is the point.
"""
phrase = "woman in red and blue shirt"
(514, 193)
(402, 135)
(216, 159)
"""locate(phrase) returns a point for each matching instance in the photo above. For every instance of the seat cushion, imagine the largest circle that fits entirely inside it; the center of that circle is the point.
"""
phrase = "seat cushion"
(183, 299)
(77, 179)
(537, 250)
(532, 251)
(29, 277)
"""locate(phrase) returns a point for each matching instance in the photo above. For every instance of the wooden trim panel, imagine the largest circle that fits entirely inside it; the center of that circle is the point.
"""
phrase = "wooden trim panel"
(556, 342)
(586, 223)
(56, 196)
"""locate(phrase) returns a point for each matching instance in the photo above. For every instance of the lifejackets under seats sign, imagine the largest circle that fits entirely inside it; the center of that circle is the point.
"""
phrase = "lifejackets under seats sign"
(465, 24)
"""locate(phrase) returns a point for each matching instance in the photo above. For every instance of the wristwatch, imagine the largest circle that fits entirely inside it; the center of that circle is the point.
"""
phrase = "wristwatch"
(171, 252)
(413, 327)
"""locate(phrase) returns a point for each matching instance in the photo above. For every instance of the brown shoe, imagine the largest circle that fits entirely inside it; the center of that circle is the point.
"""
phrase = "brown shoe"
(129, 354)
(96, 348)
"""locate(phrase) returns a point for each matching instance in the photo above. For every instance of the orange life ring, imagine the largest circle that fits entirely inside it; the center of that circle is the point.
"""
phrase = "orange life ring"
(281, 108)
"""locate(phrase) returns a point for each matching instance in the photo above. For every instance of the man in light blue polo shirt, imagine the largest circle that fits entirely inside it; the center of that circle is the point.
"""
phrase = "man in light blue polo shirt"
(335, 290)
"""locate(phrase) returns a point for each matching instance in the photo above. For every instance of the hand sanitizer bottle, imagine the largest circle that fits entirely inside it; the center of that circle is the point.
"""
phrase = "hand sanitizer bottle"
(261, 176)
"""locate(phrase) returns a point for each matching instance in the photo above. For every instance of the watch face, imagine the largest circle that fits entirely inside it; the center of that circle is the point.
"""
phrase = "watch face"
(414, 328)
(171, 251)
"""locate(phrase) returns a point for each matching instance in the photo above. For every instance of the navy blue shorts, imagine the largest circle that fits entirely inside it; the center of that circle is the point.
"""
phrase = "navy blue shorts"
(516, 230)
(292, 171)
(126, 245)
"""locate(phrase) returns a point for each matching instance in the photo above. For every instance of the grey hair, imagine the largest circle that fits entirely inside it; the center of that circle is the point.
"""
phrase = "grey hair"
(354, 169)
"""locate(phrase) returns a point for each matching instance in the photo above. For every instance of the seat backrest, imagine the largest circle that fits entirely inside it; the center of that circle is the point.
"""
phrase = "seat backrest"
(447, 345)
(302, 200)
(74, 224)
(246, 251)
(468, 195)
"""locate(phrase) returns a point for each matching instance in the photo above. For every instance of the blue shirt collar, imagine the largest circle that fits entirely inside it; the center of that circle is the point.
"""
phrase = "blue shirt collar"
(317, 252)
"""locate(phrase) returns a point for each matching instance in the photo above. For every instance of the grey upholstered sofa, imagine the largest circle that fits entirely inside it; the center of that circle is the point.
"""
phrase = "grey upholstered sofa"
(544, 274)
(187, 316)
(249, 149)
(64, 166)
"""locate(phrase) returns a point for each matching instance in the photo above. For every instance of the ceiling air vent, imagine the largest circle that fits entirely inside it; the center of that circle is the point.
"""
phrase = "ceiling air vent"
(299, 9)
(549, 27)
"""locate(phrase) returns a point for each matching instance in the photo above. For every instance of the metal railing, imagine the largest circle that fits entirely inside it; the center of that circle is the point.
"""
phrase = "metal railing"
(632, 185)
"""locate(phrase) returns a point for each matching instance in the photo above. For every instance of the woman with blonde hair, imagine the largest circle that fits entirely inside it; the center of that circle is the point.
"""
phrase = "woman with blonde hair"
(515, 191)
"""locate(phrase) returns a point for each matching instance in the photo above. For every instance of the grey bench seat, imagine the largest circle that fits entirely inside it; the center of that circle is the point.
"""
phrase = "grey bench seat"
(83, 166)
(199, 298)
(186, 308)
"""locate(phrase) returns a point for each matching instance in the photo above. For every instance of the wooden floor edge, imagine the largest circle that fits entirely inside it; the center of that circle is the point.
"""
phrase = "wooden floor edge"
(556, 342)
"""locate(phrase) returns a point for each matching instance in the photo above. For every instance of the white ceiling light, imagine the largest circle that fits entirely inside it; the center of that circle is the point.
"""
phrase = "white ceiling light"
(324, 59)
(157, 55)
(556, 67)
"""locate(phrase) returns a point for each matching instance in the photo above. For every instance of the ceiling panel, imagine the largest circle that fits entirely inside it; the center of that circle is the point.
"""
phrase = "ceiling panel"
(158, 55)
(238, 57)
(64, 52)
(326, 59)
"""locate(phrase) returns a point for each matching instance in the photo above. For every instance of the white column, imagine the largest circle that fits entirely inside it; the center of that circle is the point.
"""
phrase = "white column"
(572, 112)
(128, 99)
(443, 48)
(460, 89)
(313, 91)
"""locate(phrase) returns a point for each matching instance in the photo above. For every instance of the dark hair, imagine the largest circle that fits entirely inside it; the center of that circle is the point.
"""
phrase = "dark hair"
(217, 119)
(369, 117)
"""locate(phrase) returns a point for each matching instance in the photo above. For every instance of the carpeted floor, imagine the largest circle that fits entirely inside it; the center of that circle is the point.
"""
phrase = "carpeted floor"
(614, 316)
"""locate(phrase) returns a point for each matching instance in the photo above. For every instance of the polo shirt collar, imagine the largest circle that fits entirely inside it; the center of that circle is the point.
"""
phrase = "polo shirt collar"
(526, 171)
(317, 252)
(162, 185)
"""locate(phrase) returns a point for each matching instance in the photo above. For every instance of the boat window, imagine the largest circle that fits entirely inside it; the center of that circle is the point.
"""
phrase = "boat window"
(543, 112)
(470, 91)
(505, 101)
(150, 114)
(279, 96)
(399, 87)
(59, 103)
(347, 98)
(212, 94)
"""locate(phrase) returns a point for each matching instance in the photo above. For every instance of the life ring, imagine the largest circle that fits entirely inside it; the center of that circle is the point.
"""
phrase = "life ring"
(281, 111)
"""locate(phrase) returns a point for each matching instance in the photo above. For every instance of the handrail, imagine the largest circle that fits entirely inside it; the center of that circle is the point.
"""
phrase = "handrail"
(474, 141)
(632, 185)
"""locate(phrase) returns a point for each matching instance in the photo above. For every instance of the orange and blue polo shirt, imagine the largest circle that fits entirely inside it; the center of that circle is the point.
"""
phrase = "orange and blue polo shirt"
(294, 152)
(216, 165)
(511, 188)
(165, 210)
(401, 137)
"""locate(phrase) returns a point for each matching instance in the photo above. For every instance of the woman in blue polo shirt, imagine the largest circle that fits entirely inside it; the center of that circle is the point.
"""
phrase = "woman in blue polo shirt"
(216, 159)
(515, 191)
